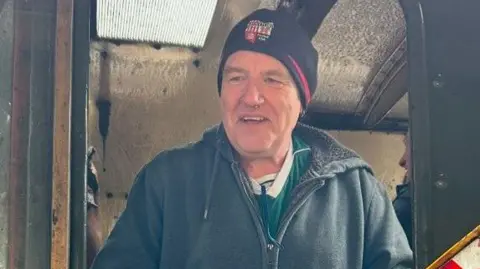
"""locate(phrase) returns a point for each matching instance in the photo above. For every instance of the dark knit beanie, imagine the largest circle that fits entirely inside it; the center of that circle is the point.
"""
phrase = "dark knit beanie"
(277, 34)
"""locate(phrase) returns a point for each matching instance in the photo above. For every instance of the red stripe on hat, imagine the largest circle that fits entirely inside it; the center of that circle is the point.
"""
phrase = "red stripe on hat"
(308, 94)
(451, 265)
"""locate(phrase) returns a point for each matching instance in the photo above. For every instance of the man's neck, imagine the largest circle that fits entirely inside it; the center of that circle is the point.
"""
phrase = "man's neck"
(258, 167)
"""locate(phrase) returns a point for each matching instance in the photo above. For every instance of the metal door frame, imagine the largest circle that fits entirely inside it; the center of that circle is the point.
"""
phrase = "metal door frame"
(443, 53)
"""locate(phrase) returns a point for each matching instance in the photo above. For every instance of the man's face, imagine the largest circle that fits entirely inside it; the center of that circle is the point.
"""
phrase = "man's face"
(260, 103)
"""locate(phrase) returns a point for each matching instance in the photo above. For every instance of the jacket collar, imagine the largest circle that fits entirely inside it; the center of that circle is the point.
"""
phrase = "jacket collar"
(328, 155)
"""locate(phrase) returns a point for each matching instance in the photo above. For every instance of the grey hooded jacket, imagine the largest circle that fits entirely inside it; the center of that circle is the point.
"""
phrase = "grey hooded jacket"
(193, 207)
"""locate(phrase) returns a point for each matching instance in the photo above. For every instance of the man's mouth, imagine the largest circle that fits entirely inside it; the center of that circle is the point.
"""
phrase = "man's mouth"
(253, 119)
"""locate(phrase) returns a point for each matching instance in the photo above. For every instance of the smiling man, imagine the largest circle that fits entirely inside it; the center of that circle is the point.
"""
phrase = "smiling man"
(259, 190)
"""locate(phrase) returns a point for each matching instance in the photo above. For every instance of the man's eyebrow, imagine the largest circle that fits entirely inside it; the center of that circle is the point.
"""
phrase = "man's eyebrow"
(277, 73)
(233, 69)
(272, 72)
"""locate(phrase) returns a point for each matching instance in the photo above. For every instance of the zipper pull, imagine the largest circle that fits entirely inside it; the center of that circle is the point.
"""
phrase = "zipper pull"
(270, 254)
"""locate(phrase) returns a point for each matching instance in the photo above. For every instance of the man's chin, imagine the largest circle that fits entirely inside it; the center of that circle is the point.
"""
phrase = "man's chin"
(252, 149)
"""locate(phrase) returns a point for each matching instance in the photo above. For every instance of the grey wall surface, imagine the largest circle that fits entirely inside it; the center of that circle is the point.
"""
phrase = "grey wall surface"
(6, 39)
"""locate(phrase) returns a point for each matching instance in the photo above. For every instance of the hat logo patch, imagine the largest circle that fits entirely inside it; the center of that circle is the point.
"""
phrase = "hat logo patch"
(258, 30)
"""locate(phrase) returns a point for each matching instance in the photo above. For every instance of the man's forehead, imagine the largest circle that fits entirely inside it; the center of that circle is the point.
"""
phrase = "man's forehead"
(246, 56)
(265, 71)
(247, 61)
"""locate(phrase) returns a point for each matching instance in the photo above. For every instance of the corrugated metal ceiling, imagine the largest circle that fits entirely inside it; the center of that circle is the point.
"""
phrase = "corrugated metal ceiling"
(179, 22)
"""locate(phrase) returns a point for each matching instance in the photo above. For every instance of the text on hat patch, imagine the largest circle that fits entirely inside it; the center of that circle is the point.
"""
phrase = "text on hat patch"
(258, 30)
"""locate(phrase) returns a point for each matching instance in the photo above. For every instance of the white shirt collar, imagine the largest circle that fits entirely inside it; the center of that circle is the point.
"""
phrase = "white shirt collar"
(278, 180)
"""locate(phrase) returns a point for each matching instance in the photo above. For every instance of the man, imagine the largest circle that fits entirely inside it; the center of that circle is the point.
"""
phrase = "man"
(260, 190)
(94, 236)
(402, 203)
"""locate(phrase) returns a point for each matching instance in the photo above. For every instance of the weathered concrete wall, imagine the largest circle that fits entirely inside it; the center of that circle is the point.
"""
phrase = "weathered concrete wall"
(382, 151)
(153, 107)
(6, 40)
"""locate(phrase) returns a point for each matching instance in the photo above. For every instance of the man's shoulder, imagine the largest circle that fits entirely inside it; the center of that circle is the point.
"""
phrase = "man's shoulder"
(359, 183)
(328, 153)
(361, 177)
(185, 151)
(186, 155)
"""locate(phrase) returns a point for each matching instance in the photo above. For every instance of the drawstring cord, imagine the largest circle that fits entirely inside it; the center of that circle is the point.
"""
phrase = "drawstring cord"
(209, 188)
(265, 217)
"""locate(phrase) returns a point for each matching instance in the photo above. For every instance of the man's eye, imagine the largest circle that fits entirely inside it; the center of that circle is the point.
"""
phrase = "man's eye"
(235, 78)
(273, 81)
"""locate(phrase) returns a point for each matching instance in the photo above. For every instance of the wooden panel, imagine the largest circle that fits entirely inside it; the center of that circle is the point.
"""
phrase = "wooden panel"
(61, 144)
(111, 207)
(29, 193)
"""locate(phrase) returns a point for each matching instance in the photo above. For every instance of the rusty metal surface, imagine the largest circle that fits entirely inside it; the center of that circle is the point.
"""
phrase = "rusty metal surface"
(6, 51)
(30, 162)
(60, 252)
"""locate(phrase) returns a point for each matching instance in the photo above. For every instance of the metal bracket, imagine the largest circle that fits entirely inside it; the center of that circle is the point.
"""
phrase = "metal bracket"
(309, 13)
(386, 87)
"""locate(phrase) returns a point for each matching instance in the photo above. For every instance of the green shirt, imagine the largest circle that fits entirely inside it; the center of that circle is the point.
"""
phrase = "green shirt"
(277, 206)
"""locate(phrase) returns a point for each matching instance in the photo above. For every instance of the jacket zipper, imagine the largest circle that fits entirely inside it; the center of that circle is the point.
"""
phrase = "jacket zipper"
(288, 217)
(271, 251)
(267, 247)
(292, 210)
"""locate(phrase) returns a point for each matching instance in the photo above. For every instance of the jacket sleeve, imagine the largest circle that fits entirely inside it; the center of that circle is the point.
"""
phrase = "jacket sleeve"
(135, 241)
(386, 245)
(403, 209)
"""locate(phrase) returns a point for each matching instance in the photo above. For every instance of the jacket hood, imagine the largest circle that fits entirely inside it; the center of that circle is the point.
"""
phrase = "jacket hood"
(328, 155)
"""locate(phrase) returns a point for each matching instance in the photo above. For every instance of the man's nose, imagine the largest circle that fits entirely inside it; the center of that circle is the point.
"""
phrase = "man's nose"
(252, 95)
